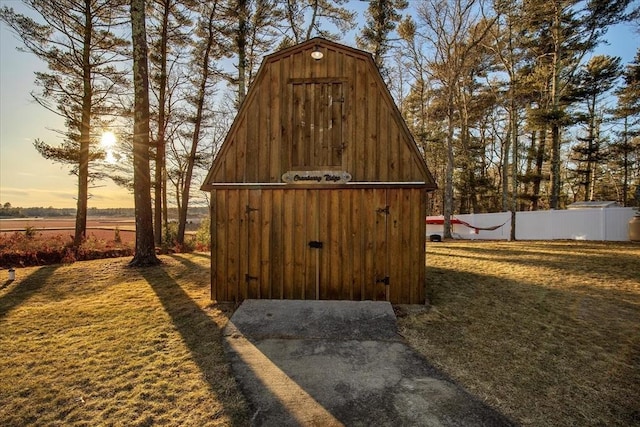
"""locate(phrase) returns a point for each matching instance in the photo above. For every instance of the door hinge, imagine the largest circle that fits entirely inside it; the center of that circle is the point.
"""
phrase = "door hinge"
(249, 209)
(384, 210)
(384, 280)
(248, 278)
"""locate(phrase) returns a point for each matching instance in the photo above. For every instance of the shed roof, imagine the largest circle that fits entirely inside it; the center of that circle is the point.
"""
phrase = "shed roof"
(340, 100)
(594, 204)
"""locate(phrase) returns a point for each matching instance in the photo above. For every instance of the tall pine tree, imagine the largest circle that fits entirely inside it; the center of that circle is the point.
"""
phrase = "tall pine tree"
(145, 253)
(77, 43)
(561, 33)
(382, 18)
(593, 81)
(627, 146)
(168, 33)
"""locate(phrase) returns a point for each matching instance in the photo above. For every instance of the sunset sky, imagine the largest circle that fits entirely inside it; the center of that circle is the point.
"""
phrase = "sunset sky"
(27, 179)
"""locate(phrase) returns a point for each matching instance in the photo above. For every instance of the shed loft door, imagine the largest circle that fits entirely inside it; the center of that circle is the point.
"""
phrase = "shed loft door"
(317, 121)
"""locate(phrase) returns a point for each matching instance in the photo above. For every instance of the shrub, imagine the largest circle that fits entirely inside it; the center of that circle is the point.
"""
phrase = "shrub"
(203, 236)
(191, 243)
(169, 237)
(23, 249)
(29, 231)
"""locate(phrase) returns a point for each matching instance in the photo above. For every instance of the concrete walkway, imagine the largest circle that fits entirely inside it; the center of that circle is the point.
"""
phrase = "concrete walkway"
(334, 363)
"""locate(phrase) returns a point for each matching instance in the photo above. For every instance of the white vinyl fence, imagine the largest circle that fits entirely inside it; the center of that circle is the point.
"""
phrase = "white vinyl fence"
(610, 224)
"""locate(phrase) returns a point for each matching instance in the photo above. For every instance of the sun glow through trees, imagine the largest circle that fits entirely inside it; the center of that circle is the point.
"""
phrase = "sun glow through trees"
(108, 142)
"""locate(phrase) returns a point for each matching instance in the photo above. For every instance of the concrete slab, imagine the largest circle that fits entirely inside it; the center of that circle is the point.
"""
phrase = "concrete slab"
(333, 363)
(332, 320)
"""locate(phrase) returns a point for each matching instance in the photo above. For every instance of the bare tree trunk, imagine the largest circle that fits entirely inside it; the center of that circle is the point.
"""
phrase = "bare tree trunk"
(314, 14)
(625, 163)
(448, 179)
(537, 180)
(145, 254)
(555, 166)
(85, 132)
(531, 155)
(504, 176)
(241, 45)
(556, 30)
(469, 163)
(202, 93)
(160, 177)
(449, 23)
(514, 177)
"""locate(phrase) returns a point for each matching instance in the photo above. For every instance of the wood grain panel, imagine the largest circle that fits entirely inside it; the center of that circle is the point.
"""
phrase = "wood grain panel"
(300, 249)
(331, 114)
(395, 246)
(277, 245)
(380, 255)
(334, 256)
(261, 241)
(357, 243)
(288, 233)
(358, 145)
(313, 234)
(372, 144)
(266, 243)
(221, 284)
(243, 244)
(254, 249)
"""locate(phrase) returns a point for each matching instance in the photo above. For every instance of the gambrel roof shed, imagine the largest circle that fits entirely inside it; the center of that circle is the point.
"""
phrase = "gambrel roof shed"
(319, 190)
(334, 113)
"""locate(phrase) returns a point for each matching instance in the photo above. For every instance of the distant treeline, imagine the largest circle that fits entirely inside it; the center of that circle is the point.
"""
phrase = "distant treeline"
(8, 211)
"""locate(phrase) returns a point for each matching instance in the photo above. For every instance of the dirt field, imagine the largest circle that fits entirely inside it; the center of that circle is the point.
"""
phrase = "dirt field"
(101, 228)
(65, 223)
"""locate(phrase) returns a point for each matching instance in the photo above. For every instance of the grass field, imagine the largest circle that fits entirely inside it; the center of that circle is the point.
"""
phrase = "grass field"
(546, 332)
(99, 343)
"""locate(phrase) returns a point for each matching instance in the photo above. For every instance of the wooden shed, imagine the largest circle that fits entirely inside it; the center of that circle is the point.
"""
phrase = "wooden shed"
(319, 190)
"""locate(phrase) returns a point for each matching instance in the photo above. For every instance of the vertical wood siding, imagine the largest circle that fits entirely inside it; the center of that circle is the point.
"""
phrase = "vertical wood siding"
(260, 240)
(334, 113)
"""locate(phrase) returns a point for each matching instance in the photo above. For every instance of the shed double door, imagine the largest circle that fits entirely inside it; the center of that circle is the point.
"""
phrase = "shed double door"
(303, 244)
(346, 253)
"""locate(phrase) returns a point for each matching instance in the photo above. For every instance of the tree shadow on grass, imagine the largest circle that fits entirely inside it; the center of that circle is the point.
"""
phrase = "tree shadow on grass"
(534, 343)
(597, 258)
(25, 289)
(6, 283)
(202, 335)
